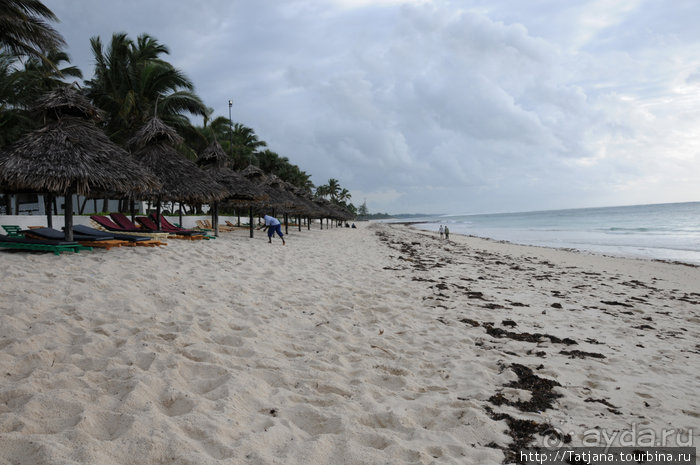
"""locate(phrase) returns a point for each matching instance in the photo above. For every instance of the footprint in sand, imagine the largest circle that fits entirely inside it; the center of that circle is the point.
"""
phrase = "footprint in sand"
(144, 360)
(212, 388)
(386, 420)
(207, 443)
(21, 450)
(52, 415)
(13, 400)
(106, 426)
(176, 404)
(376, 441)
(314, 423)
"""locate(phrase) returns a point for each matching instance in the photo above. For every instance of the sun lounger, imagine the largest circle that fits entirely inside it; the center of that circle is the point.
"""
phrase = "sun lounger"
(148, 223)
(141, 241)
(12, 230)
(126, 223)
(103, 242)
(111, 225)
(207, 224)
(25, 243)
(169, 227)
(203, 226)
(102, 222)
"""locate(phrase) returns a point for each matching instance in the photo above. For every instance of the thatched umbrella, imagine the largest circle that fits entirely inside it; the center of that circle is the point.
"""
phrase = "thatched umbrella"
(153, 146)
(278, 199)
(304, 204)
(71, 155)
(214, 161)
(240, 190)
(331, 211)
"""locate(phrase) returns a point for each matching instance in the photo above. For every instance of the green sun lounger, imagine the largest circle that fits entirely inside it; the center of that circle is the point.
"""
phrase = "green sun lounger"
(12, 230)
(41, 245)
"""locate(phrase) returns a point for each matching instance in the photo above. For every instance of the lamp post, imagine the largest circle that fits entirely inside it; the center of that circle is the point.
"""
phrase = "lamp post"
(230, 122)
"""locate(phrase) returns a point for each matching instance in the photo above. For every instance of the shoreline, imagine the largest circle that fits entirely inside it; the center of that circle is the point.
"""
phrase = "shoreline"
(565, 249)
(370, 345)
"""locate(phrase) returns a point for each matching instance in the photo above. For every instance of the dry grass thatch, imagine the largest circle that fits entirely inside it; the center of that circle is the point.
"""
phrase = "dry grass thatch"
(68, 101)
(213, 156)
(239, 189)
(237, 186)
(182, 179)
(71, 152)
(155, 132)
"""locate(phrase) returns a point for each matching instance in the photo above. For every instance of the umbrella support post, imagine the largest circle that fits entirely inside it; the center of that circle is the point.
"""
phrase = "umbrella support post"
(68, 212)
(48, 200)
(215, 218)
(158, 216)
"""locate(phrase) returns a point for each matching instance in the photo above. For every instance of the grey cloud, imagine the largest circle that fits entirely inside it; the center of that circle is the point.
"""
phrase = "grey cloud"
(425, 107)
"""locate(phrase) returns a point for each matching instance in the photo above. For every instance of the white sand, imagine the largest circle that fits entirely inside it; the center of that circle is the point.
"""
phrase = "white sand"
(339, 348)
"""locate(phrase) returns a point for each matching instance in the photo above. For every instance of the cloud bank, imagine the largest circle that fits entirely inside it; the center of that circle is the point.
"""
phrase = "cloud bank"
(420, 106)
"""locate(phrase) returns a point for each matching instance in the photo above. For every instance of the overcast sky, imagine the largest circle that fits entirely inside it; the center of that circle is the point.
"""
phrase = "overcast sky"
(443, 106)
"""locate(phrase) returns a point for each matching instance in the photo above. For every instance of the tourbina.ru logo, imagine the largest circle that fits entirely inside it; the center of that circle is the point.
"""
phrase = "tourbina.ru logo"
(635, 436)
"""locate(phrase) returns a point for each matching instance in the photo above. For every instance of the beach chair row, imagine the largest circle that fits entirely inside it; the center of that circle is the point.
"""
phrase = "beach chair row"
(117, 230)
(120, 223)
(84, 238)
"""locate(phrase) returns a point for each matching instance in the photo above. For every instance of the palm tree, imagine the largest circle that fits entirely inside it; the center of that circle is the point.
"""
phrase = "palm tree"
(270, 162)
(245, 144)
(13, 120)
(24, 30)
(321, 191)
(41, 76)
(130, 78)
(333, 189)
(21, 87)
(344, 196)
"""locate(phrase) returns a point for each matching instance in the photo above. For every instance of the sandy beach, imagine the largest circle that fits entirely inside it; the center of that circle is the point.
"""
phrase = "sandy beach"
(376, 345)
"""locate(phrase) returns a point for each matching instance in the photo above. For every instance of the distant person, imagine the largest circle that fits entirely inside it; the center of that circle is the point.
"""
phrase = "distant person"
(353, 226)
(441, 231)
(447, 233)
(347, 225)
(273, 226)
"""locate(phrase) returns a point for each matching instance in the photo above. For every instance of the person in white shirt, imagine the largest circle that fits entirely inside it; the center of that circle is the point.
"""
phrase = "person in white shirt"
(272, 225)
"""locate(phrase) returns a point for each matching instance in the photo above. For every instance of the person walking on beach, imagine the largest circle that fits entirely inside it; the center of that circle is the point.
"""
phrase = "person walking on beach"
(441, 231)
(447, 233)
(272, 225)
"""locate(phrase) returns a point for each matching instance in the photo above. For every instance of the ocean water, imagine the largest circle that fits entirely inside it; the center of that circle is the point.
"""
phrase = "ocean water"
(660, 231)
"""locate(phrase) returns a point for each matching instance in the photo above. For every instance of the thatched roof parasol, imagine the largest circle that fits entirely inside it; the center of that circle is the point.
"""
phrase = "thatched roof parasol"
(331, 210)
(278, 198)
(303, 204)
(70, 152)
(70, 155)
(239, 189)
(285, 200)
(213, 155)
(153, 146)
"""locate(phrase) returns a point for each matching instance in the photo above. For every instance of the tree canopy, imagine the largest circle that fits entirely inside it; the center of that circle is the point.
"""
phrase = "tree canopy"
(25, 28)
(132, 83)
